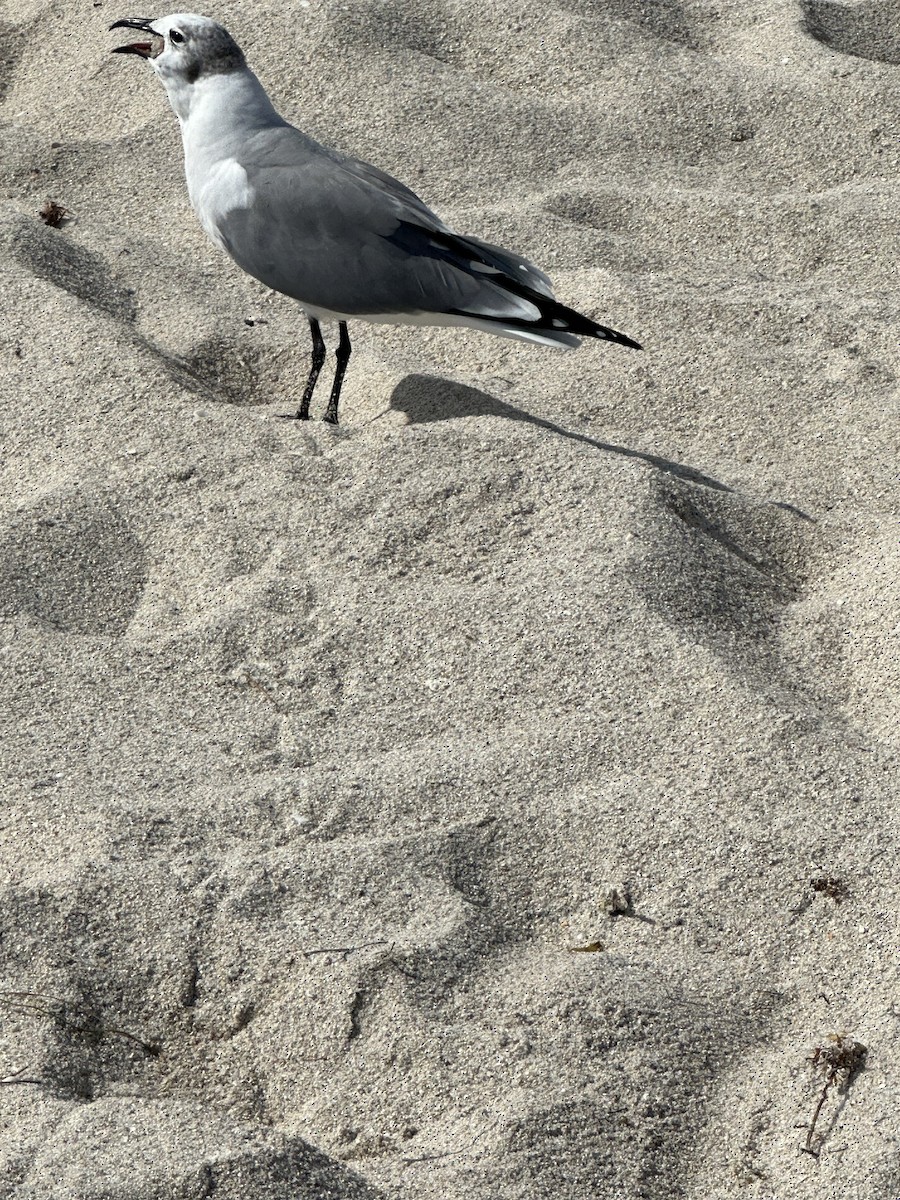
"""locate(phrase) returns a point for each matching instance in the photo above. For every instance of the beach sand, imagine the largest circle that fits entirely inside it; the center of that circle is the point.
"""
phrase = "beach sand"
(494, 797)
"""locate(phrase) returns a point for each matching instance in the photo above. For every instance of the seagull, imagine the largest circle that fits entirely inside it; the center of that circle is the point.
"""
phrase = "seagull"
(341, 237)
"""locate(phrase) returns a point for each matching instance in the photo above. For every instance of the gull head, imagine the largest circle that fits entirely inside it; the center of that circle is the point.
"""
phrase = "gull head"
(182, 48)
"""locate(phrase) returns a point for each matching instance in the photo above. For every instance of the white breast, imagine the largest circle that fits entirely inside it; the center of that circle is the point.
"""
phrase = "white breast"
(218, 191)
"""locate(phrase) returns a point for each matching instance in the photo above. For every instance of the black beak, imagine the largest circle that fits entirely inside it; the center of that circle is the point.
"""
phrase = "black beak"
(144, 25)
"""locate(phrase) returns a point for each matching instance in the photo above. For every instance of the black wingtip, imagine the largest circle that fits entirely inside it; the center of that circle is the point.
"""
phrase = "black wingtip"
(556, 317)
(583, 326)
(621, 339)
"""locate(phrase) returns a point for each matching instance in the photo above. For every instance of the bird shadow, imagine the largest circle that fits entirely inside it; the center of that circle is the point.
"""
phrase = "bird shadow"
(425, 398)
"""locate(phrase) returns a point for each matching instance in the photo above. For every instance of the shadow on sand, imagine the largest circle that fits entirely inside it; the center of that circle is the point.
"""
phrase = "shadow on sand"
(425, 398)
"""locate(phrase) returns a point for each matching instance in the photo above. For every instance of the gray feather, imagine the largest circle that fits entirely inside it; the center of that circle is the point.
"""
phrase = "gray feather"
(323, 229)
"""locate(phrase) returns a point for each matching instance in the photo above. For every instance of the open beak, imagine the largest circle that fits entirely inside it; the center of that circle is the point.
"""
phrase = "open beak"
(144, 49)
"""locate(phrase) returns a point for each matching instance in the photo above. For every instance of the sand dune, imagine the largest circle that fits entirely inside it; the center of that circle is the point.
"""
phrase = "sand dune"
(326, 752)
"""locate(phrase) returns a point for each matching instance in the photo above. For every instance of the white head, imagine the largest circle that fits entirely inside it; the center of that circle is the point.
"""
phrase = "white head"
(183, 49)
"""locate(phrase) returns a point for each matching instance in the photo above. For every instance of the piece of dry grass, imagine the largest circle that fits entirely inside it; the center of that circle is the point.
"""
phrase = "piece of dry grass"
(836, 1062)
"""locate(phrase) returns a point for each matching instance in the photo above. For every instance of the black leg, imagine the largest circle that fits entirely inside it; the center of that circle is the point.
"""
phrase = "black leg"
(318, 357)
(342, 354)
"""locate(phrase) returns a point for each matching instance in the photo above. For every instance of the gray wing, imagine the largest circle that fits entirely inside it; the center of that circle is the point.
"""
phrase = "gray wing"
(338, 234)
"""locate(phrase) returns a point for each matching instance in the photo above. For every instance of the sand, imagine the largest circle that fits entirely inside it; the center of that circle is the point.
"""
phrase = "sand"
(327, 752)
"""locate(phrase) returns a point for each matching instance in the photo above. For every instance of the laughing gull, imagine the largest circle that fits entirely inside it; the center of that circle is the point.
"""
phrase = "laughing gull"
(338, 235)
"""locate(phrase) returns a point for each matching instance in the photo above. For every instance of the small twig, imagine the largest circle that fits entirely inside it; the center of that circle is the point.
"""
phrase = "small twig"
(345, 950)
(55, 1008)
(810, 1132)
(29, 1001)
(17, 1077)
(422, 1158)
(838, 1063)
(153, 1049)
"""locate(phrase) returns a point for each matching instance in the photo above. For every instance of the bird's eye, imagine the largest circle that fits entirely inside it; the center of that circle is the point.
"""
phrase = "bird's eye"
(176, 37)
